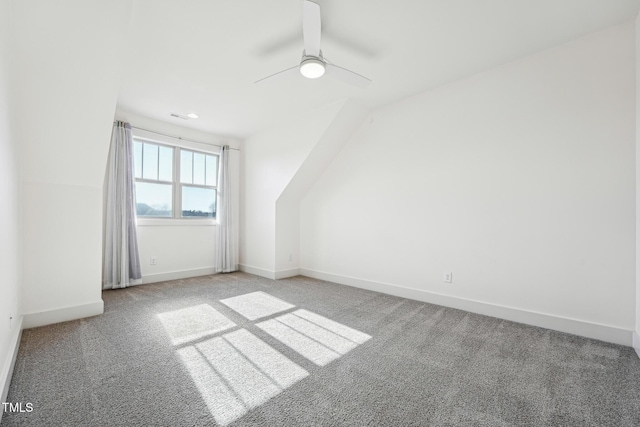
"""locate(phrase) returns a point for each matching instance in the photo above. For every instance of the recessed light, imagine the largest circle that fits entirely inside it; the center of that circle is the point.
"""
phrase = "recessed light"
(192, 115)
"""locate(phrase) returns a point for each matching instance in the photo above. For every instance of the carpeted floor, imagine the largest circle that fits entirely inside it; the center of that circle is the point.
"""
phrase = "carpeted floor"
(241, 350)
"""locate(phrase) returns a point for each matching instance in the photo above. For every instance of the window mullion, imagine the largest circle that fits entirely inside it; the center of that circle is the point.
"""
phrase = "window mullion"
(177, 193)
(158, 162)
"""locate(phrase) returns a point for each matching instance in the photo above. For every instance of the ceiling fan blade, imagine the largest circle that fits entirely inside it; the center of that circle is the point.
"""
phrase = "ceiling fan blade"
(280, 74)
(311, 27)
(347, 76)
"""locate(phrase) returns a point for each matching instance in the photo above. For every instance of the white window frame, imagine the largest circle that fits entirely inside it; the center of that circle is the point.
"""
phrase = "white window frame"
(177, 145)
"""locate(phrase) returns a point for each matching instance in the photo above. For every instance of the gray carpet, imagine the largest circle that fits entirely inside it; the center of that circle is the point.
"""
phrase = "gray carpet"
(241, 350)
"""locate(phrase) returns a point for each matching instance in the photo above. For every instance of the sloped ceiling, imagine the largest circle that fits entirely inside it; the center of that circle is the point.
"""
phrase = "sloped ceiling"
(204, 56)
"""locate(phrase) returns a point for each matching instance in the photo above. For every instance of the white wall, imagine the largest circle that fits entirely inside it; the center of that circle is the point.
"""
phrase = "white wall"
(519, 180)
(334, 137)
(180, 248)
(67, 69)
(9, 222)
(269, 161)
(636, 335)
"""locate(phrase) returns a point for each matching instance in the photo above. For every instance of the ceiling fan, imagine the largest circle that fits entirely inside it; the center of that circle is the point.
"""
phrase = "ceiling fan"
(313, 64)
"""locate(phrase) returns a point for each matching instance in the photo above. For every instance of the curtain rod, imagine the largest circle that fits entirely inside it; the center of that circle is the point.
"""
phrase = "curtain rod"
(180, 138)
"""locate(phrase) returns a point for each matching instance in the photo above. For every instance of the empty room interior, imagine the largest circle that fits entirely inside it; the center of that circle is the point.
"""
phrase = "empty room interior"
(295, 212)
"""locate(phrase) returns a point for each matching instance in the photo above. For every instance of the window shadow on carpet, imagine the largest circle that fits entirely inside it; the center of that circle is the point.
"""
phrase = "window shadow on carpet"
(235, 371)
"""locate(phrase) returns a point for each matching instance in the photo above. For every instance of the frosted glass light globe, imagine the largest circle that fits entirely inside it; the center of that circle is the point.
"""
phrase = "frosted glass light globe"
(312, 68)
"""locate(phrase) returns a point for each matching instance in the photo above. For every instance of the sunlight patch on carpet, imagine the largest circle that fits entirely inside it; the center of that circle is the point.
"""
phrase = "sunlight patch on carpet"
(315, 337)
(192, 323)
(237, 372)
(256, 305)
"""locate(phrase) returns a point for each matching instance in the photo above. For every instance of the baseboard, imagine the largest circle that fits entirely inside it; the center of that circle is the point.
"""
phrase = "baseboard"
(269, 274)
(10, 361)
(49, 317)
(283, 274)
(636, 342)
(258, 271)
(175, 275)
(582, 328)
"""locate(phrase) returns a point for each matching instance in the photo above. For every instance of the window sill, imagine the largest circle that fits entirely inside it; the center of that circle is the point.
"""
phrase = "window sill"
(143, 222)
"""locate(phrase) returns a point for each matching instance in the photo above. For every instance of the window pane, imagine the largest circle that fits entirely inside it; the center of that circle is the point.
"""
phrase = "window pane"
(154, 199)
(186, 159)
(137, 158)
(150, 161)
(212, 170)
(198, 168)
(198, 202)
(166, 164)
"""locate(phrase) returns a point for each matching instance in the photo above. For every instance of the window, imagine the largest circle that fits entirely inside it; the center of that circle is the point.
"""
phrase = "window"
(174, 182)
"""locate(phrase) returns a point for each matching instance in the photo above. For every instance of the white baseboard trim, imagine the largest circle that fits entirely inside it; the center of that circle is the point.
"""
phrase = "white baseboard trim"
(582, 328)
(283, 274)
(636, 342)
(269, 274)
(10, 361)
(49, 317)
(175, 275)
(258, 271)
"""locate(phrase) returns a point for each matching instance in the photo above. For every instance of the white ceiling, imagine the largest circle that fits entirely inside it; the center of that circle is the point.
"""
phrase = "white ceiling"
(204, 55)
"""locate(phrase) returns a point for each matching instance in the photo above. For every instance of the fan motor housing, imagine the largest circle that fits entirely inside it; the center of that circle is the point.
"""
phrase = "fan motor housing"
(312, 67)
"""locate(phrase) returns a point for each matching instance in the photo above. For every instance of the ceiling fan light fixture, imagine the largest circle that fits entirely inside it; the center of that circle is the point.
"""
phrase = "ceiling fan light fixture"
(312, 64)
(312, 68)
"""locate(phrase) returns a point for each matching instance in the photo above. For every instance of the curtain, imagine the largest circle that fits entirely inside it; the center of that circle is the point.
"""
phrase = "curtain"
(225, 255)
(121, 262)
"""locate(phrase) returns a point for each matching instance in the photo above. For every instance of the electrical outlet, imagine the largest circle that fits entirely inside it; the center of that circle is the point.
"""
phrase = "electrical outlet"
(290, 257)
(153, 260)
(448, 277)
